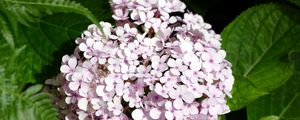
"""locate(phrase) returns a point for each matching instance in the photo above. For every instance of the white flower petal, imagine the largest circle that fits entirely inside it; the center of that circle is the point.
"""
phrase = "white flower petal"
(169, 115)
(82, 47)
(155, 113)
(193, 110)
(171, 62)
(74, 86)
(98, 45)
(100, 90)
(65, 69)
(205, 56)
(137, 114)
(178, 103)
(90, 42)
(82, 104)
(195, 66)
(207, 66)
(186, 46)
(188, 97)
(102, 61)
(82, 115)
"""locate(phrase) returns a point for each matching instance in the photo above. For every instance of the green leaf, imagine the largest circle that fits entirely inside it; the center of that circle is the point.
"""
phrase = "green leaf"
(257, 44)
(297, 2)
(283, 102)
(33, 89)
(26, 59)
(271, 117)
(27, 10)
(23, 107)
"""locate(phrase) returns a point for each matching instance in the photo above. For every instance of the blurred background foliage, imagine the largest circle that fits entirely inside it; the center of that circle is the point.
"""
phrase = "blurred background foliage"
(261, 38)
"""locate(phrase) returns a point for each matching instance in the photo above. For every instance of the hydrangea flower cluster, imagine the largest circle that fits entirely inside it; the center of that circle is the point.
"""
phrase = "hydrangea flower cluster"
(160, 62)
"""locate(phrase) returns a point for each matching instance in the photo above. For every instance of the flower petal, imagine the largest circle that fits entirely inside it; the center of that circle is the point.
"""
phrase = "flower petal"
(65, 69)
(178, 103)
(82, 104)
(74, 86)
(188, 97)
(155, 113)
(137, 114)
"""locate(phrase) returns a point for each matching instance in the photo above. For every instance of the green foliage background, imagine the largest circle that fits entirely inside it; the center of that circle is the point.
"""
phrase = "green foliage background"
(262, 44)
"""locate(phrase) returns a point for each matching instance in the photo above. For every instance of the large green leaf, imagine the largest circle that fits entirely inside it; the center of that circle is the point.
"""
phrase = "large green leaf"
(30, 105)
(27, 10)
(27, 51)
(283, 103)
(257, 44)
(297, 2)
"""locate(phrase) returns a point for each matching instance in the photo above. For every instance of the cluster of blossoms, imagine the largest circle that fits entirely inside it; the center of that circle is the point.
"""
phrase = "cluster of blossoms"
(160, 62)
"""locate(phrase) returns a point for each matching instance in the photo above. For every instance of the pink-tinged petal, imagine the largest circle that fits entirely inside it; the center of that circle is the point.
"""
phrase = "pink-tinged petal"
(198, 46)
(183, 68)
(127, 52)
(72, 63)
(178, 103)
(214, 110)
(84, 87)
(69, 77)
(65, 69)
(117, 112)
(68, 100)
(186, 46)
(134, 56)
(82, 115)
(120, 31)
(207, 67)
(98, 45)
(109, 87)
(155, 113)
(173, 93)
(118, 12)
(87, 55)
(164, 58)
(168, 105)
(113, 36)
(158, 88)
(100, 90)
(171, 63)
(117, 1)
(189, 73)
(137, 114)
(174, 71)
(216, 67)
(169, 115)
(82, 104)
(204, 111)
(178, 115)
(90, 42)
(142, 16)
(188, 97)
(83, 47)
(87, 33)
(155, 58)
(195, 66)
(65, 58)
(189, 57)
(193, 110)
(124, 68)
(102, 61)
(172, 20)
(205, 56)
(74, 86)
(125, 76)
